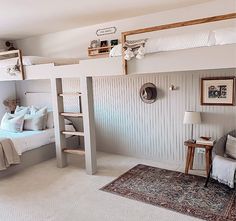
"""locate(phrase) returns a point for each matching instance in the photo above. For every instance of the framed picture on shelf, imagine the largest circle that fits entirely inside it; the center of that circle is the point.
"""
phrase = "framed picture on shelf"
(105, 45)
(95, 44)
(218, 91)
(114, 42)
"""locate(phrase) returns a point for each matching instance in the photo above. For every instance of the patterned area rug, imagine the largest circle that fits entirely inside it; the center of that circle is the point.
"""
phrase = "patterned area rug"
(176, 191)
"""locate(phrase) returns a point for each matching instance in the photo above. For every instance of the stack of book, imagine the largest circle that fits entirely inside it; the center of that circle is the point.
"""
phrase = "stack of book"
(205, 141)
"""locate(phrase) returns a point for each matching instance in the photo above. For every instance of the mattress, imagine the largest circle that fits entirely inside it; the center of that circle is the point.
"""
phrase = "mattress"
(185, 41)
(35, 60)
(29, 140)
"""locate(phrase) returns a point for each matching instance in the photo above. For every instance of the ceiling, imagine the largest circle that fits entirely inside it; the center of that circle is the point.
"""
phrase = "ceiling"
(25, 18)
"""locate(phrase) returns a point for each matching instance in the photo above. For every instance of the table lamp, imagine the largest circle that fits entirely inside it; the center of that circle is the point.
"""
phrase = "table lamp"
(191, 117)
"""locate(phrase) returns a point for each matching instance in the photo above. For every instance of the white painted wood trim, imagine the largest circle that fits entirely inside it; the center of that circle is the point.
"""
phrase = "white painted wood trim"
(89, 124)
(59, 125)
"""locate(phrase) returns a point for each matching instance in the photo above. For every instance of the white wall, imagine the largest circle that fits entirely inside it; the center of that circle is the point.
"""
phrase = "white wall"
(7, 90)
(124, 124)
(2, 44)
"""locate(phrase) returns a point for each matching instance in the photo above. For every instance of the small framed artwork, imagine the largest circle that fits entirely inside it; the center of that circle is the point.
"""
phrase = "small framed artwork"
(114, 42)
(104, 46)
(218, 91)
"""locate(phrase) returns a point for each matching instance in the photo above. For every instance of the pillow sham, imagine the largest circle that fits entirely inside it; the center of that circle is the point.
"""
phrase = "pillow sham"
(34, 122)
(231, 147)
(12, 123)
(21, 110)
(50, 121)
(42, 111)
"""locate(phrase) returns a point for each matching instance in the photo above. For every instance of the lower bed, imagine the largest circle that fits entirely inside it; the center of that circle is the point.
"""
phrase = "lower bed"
(33, 147)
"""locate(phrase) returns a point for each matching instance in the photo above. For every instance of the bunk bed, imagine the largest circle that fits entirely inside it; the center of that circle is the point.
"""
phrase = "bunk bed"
(172, 59)
(202, 49)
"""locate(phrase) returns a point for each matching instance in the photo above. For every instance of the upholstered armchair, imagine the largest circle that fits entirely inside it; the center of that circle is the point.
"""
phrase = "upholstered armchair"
(219, 149)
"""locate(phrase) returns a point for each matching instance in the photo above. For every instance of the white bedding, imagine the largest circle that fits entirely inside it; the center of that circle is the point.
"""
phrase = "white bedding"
(35, 60)
(28, 140)
(185, 41)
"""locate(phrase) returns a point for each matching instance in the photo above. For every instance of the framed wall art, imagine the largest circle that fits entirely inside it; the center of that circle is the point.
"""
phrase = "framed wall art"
(218, 91)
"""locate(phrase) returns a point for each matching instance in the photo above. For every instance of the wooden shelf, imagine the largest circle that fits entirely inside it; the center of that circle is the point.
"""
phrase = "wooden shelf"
(74, 151)
(72, 114)
(100, 48)
(70, 94)
(75, 133)
(100, 51)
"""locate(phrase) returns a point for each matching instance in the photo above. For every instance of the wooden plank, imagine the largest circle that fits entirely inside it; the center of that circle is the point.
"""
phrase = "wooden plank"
(181, 24)
(89, 125)
(9, 52)
(70, 94)
(58, 107)
(71, 114)
(171, 26)
(75, 133)
(74, 151)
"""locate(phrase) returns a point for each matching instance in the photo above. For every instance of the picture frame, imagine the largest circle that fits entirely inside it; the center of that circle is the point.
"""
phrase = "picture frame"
(104, 47)
(114, 42)
(218, 91)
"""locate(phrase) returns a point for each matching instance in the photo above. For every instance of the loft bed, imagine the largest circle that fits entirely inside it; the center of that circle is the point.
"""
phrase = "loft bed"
(14, 66)
(199, 50)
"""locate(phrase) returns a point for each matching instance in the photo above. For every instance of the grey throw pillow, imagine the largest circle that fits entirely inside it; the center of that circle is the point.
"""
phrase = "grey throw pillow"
(231, 147)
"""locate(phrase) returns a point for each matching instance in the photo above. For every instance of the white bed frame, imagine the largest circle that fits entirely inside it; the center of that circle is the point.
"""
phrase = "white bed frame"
(214, 58)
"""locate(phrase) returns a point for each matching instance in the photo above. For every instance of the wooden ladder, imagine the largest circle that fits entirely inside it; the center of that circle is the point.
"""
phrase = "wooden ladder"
(86, 112)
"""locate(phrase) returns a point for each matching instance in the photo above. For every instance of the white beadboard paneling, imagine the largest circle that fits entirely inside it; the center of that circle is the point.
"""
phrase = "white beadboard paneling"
(125, 125)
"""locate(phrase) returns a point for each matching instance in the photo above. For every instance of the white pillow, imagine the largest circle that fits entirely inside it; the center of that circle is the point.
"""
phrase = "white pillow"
(231, 147)
(34, 122)
(12, 123)
(225, 36)
(50, 121)
(21, 110)
(42, 111)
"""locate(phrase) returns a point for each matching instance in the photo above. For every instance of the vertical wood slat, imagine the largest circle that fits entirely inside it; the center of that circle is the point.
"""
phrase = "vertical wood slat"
(89, 125)
(58, 107)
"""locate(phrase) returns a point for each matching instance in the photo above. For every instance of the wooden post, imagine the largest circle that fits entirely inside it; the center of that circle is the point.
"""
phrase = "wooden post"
(59, 125)
(89, 124)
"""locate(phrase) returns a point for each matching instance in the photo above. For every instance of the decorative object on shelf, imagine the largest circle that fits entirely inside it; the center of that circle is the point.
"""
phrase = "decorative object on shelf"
(148, 93)
(106, 31)
(104, 46)
(191, 117)
(95, 43)
(11, 104)
(218, 91)
(114, 42)
(10, 46)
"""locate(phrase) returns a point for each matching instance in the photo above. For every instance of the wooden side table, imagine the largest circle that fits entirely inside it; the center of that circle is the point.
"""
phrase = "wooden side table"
(190, 155)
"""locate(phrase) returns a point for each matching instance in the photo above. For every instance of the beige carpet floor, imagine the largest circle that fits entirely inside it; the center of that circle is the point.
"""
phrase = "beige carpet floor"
(47, 193)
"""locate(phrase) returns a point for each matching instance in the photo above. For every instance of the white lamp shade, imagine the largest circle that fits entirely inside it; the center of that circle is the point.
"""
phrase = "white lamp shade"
(191, 117)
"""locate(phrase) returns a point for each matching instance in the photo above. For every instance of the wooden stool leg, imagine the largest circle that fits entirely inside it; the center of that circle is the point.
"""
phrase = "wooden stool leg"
(188, 159)
(192, 158)
(207, 161)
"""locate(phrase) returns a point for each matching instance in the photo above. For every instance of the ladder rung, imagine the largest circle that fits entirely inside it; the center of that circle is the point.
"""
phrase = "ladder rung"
(74, 151)
(76, 133)
(72, 114)
(70, 94)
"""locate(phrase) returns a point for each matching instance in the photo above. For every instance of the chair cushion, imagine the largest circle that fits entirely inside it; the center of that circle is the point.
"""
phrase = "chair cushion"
(220, 145)
(231, 147)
